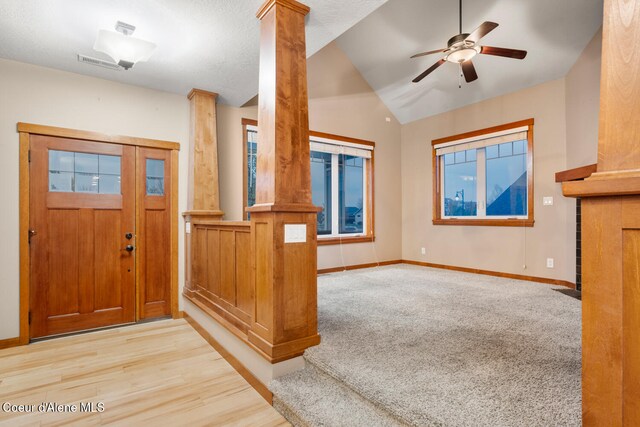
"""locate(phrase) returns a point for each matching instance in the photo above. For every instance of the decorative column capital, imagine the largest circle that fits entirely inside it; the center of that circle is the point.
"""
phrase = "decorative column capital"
(291, 4)
(195, 91)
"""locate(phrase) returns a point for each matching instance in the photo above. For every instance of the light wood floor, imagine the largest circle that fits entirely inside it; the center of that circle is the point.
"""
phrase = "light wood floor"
(160, 373)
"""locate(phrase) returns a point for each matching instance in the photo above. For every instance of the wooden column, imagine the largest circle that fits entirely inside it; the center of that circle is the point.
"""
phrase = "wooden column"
(203, 199)
(611, 232)
(283, 220)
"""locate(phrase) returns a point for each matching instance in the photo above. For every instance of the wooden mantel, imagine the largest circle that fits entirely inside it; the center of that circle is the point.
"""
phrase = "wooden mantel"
(611, 232)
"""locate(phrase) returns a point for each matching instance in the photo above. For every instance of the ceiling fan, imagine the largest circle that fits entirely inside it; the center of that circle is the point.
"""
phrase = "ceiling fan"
(462, 47)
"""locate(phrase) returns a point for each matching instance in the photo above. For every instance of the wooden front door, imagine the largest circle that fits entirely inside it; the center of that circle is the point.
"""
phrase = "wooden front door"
(82, 235)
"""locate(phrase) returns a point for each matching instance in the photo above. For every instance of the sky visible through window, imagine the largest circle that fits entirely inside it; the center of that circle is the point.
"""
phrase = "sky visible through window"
(505, 180)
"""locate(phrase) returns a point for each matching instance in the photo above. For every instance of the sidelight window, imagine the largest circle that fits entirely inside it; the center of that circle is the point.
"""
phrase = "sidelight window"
(155, 177)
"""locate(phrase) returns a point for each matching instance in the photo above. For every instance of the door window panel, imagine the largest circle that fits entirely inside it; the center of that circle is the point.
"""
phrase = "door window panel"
(155, 177)
(84, 173)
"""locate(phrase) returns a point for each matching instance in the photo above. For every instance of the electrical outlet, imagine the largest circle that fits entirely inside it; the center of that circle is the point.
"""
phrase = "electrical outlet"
(424, 251)
(547, 201)
(549, 262)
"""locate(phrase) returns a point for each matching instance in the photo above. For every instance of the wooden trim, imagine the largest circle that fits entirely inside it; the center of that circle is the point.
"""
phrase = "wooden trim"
(235, 363)
(623, 183)
(576, 173)
(341, 138)
(35, 129)
(358, 266)
(291, 4)
(486, 222)
(530, 175)
(454, 268)
(502, 222)
(494, 273)
(10, 342)
(345, 240)
(479, 132)
(204, 92)
(435, 178)
(24, 238)
(245, 168)
(174, 215)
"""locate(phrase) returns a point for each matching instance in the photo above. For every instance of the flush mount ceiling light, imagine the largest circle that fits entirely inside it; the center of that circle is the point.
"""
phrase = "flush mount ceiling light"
(124, 49)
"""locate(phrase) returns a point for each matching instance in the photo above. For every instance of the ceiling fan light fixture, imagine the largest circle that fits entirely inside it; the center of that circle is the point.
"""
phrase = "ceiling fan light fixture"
(462, 55)
(122, 48)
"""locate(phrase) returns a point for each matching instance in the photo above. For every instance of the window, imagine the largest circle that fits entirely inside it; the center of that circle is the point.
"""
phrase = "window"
(83, 172)
(485, 177)
(155, 177)
(341, 183)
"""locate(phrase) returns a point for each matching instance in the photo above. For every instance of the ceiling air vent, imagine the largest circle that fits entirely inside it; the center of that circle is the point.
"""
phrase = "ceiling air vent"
(98, 62)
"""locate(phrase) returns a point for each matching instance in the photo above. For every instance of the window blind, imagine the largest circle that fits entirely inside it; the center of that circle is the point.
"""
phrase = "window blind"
(341, 149)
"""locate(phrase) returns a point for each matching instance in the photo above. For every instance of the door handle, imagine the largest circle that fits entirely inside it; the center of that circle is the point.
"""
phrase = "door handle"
(128, 236)
(129, 248)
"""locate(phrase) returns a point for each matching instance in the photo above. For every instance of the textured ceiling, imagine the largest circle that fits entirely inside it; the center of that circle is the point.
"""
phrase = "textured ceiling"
(212, 45)
(554, 32)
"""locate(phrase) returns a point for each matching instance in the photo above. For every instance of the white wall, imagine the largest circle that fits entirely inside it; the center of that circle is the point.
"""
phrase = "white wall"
(45, 96)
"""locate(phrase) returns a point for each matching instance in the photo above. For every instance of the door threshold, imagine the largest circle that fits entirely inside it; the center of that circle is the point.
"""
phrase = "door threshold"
(102, 328)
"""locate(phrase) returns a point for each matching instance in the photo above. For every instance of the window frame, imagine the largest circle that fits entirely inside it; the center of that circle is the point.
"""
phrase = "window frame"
(368, 234)
(437, 179)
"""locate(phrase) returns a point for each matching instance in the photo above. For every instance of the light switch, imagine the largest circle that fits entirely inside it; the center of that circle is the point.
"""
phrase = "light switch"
(187, 227)
(547, 201)
(295, 233)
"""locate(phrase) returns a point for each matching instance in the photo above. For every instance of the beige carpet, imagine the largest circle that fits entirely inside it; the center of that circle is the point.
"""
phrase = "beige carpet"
(434, 347)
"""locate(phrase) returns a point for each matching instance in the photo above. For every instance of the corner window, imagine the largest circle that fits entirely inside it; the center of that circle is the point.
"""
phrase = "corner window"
(341, 183)
(485, 177)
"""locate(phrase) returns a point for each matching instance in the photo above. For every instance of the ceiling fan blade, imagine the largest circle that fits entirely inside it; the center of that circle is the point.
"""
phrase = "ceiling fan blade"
(469, 71)
(428, 53)
(429, 70)
(484, 29)
(501, 51)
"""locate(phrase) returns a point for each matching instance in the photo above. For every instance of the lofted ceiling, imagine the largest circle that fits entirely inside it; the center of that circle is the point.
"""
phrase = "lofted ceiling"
(554, 32)
(212, 45)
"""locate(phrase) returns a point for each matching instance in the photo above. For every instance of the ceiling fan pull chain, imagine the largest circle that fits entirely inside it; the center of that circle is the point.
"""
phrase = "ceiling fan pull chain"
(460, 77)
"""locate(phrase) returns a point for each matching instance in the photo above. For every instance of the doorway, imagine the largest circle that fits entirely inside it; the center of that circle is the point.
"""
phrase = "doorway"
(102, 230)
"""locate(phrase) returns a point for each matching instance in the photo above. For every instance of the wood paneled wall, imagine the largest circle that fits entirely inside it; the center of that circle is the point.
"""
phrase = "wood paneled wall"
(221, 267)
(611, 232)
